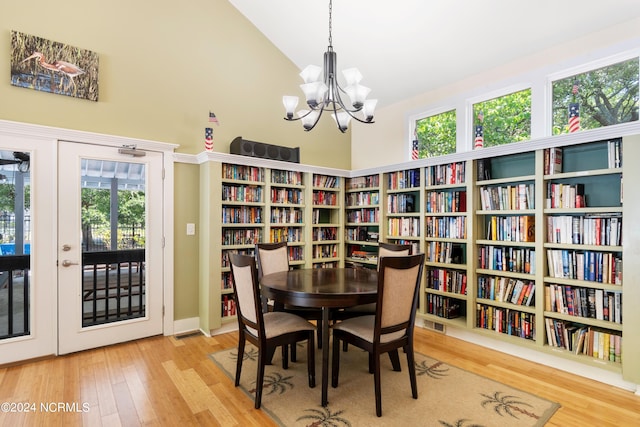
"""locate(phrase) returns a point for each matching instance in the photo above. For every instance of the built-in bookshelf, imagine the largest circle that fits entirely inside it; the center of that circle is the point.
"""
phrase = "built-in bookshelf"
(242, 221)
(583, 286)
(402, 207)
(327, 221)
(362, 216)
(445, 243)
(287, 212)
(505, 246)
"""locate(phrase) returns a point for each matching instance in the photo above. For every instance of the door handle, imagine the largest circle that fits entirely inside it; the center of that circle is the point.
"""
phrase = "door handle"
(67, 263)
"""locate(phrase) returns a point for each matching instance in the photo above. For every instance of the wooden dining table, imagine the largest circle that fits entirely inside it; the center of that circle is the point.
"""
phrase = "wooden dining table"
(325, 288)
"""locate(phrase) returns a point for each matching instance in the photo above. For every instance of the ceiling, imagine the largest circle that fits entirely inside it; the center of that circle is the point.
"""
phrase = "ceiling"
(409, 47)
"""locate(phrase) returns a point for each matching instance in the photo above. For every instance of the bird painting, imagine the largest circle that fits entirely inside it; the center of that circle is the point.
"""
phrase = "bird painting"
(65, 68)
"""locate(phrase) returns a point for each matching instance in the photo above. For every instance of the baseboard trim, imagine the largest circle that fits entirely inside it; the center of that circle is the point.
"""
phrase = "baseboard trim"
(183, 326)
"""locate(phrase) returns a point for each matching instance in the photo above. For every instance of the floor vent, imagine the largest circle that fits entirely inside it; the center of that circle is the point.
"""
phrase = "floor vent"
(434, 326)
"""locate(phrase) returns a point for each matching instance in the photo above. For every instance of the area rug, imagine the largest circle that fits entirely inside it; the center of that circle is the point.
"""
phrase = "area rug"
(447, 396)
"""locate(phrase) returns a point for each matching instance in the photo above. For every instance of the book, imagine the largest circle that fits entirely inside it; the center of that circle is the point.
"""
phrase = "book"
(555, 160)
(484, 169)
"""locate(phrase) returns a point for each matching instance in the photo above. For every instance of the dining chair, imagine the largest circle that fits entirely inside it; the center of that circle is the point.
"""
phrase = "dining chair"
(391, 327)
(273, 258)
(266, 331)
(384, 250)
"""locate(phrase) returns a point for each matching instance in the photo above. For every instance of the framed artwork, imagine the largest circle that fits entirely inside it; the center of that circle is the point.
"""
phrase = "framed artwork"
(50, 66)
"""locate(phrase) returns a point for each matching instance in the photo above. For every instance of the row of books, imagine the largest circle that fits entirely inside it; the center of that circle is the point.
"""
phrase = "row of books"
(552, 160)
(444, 252)
(446, 201)
(325, 198)
(403, 179)
(409, 227)
(370, 181)
(287, 195)
(614, 150)
(286, 216)
(362, 234)
(242, 173)
(325, 251)
(325, 181)
(560, 195)
(325, 233)
(364, 255)
(224, 255)
(505, 289)
(401, 203)
(241, 193)
(449, 227)
(511, 228)
(507, 197)
(286, 234)
(593, 266)
(584, 302)
(363, 198)
(228, 306)
(586, 340)
(446, 280)
(363, 215)
(515, 260)
(227, 280)
(241, 215)
(506, 321)
(243, 236)
(445, 307)
(585, 230)
(286, 177)
(452, 173)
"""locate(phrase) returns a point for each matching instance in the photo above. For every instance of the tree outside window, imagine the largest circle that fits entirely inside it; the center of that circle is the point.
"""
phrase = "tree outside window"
(436, 134)
(502, 120)
(602, 97)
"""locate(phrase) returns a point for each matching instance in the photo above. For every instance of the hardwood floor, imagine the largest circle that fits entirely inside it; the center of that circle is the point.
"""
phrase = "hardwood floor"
(168, 381)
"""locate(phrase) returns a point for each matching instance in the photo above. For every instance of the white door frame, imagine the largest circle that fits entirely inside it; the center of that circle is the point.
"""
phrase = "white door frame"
(47, 135)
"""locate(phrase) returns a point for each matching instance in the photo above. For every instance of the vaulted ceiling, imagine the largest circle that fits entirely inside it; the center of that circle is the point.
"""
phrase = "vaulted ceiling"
(408, 47)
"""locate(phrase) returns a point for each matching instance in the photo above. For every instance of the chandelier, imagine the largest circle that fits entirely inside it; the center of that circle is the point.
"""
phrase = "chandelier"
(323, 92)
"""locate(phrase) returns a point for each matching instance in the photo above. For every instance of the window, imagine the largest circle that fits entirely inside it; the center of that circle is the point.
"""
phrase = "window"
(502, 120)
(436, 135)
(597, 98)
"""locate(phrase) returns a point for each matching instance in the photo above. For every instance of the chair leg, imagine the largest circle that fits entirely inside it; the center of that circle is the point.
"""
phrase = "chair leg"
(241, 343)
(294, 356)
(260, 377)
(376, 381)
(412, 371)
(345, 346)
(311, 360)
(335, 362)
(395, 360)
(319, 331)
(285, 356)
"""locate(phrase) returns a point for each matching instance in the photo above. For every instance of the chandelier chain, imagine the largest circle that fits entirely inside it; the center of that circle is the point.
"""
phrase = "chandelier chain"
(330, 9)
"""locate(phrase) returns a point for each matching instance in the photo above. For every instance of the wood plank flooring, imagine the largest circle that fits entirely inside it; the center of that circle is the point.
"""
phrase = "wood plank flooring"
(169, 381)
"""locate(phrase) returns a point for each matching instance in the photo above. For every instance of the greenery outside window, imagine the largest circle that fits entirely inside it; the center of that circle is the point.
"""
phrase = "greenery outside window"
(597, 98)
(502, 120)
(435, 135)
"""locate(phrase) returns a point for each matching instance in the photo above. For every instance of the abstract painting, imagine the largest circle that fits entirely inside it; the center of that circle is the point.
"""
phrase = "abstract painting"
(50, 66)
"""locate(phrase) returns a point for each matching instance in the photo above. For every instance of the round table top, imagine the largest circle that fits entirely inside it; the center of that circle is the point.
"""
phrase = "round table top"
(322, 287)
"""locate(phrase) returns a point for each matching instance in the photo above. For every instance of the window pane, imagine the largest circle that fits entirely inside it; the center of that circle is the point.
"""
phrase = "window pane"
(436, 135)
(597, 98)
(503, 120)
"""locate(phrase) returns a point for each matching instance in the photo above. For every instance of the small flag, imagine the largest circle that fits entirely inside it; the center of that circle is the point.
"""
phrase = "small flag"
(213, 118)
(574, 117)
(414, 150)
(479, 137)
(208, 139)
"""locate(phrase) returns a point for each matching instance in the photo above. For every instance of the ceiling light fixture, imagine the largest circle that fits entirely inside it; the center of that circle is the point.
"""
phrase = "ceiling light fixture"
(326, 94)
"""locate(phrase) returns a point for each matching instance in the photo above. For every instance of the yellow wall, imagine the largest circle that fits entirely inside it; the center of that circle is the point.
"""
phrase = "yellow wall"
(163, 66)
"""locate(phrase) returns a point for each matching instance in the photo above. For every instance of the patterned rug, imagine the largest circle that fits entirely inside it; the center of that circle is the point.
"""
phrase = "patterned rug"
(447, 396)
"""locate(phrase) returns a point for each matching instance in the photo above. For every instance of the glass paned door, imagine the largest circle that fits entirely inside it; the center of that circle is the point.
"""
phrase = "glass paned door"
(110, 246)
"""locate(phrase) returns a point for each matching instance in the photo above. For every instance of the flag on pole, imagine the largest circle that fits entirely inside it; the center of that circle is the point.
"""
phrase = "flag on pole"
(478, 142)
(574, 110)
(213, 118)
(414, 150)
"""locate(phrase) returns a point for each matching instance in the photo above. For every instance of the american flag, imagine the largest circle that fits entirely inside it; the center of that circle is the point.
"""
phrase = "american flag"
(479, 140)
(574, 117)
(213, 118)
(414, 150)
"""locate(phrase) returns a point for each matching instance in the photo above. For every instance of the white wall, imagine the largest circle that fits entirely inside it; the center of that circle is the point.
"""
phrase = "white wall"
(387, 141)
